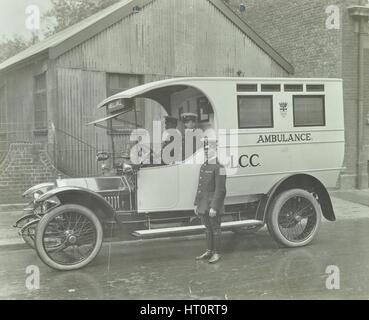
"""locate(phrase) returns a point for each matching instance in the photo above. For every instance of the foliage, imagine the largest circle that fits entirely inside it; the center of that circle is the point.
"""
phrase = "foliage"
(11, 46)
(69, 12)
(64, 13)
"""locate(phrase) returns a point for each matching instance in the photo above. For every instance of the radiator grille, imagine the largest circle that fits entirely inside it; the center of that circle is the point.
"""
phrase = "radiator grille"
(114, 201)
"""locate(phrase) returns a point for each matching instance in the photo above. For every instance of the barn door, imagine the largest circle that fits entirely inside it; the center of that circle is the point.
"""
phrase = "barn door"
(76, 144)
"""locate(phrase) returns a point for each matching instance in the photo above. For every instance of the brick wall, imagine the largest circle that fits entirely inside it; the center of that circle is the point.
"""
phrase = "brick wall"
(25, 165)
(297, 30)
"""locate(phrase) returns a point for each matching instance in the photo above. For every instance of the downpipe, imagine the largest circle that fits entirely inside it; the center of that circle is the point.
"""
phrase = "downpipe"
(360, 110)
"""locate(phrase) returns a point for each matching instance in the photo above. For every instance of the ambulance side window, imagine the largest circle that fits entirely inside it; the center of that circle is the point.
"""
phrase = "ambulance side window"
(309, 111)
(255, 112)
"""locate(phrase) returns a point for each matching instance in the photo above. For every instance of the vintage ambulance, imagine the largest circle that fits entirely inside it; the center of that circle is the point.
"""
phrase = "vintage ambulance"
(282, 143)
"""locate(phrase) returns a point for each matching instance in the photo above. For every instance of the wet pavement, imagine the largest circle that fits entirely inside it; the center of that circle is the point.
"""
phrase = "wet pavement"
(355, 196)
(253, 267)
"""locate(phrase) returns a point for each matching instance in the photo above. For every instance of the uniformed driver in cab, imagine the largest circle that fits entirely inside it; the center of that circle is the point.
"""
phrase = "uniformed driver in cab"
(191, 137)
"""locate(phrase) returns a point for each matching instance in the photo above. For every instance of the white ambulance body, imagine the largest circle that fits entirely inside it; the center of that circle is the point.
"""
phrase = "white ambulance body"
(283, 126)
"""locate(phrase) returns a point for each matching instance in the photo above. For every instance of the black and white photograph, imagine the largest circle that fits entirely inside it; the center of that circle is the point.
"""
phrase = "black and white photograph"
(198, 151)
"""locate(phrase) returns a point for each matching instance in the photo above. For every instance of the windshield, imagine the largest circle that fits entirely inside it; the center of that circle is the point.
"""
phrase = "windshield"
(183, 109)
(123, 116)
(120, 130)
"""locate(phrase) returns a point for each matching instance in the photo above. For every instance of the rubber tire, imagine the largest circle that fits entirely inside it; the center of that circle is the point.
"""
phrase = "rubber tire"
(49, 217)
(273, 214)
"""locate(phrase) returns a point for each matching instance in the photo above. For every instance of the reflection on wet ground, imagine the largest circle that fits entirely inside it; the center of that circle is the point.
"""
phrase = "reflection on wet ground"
(253, 267)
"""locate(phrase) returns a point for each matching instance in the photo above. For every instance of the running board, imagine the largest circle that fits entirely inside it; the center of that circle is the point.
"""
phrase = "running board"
(165, 232)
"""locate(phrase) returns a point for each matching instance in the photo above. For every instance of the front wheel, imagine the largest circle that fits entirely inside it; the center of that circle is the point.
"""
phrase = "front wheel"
(69, 237)
(294, 218)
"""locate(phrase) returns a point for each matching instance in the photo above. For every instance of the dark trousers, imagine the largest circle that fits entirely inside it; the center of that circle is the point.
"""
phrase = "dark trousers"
(213, 232)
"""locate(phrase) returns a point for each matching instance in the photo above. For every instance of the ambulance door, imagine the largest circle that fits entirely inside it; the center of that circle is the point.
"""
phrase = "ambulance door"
(158, 188)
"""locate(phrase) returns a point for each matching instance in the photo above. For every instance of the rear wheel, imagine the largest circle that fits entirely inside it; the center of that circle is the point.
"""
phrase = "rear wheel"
(69, 237)
(294, 218)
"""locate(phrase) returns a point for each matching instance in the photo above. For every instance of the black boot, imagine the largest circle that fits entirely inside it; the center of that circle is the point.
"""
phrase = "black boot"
(210, 245)
(217, 244)
(208, 254)
(214, 258)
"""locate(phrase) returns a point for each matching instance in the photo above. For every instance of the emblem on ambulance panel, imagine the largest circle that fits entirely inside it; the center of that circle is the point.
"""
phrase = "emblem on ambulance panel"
(283, 106)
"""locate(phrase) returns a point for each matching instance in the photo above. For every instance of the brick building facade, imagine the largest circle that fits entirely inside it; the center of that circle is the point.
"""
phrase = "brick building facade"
(25, 164)
(324, 38)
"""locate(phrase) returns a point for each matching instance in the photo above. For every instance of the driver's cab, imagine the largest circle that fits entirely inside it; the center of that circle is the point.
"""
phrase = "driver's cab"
(162, 185)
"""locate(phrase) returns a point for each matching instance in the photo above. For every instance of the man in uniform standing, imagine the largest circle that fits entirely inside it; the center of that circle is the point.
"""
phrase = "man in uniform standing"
(209, 202)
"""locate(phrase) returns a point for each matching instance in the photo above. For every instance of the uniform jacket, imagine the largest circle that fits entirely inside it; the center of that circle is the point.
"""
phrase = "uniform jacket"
(211, 190)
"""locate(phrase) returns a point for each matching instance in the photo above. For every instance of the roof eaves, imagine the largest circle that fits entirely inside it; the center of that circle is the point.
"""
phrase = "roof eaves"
(97, 27)
(9, 67)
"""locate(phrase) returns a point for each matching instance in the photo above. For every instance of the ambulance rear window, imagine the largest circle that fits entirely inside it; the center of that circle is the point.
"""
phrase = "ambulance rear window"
(293, 87)
(255, 112)
(247, 87)
(315, 87)
(270, 87)
(308, 111)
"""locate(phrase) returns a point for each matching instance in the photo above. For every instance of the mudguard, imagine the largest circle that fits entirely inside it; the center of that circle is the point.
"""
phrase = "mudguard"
(81, 196)
(299, 181)
(39, 187)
